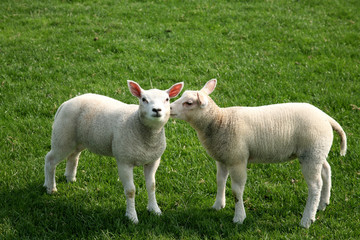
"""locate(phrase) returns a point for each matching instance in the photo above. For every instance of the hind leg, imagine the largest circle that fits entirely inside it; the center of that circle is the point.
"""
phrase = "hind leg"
(71, 166)
(52, 159)
(325, 191)
(312, 174)
(59, 152)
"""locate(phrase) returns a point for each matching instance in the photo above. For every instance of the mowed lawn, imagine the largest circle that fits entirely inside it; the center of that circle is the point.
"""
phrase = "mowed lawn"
(261, 52)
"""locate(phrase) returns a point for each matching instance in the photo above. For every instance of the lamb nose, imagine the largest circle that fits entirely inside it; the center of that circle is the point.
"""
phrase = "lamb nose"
(156, 110)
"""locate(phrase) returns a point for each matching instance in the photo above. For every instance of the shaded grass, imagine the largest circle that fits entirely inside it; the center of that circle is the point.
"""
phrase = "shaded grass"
(261, 52)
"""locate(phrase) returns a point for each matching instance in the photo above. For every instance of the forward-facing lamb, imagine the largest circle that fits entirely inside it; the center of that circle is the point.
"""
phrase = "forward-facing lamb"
(133, 134)
(236, 136)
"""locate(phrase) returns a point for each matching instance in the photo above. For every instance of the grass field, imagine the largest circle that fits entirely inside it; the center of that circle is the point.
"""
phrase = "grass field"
(261, 52)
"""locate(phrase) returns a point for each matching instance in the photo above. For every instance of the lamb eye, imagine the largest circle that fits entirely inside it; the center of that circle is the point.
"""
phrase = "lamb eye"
(189, 103)
(167, 100)
(144, 100)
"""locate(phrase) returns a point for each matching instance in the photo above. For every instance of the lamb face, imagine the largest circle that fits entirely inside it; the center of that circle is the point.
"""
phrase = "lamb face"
(154, 107)
(154, 104)
(187, 103)
(192, 104)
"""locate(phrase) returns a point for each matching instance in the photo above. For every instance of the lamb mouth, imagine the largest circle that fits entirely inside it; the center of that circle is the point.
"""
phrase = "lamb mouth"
(156, 115)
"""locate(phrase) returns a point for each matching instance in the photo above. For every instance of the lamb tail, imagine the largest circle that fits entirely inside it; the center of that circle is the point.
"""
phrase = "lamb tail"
(58, 111)
(343, 144)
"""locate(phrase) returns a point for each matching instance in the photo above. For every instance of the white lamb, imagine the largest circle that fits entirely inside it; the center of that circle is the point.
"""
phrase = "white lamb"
(236, 136)
(133, 134)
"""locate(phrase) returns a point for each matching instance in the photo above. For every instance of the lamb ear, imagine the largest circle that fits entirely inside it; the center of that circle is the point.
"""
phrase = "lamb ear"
(209, 86)
(175, 89)
(203, 102)
(134, 88)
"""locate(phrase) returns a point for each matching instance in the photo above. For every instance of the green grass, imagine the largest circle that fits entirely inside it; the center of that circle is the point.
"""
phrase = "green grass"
(261, 52)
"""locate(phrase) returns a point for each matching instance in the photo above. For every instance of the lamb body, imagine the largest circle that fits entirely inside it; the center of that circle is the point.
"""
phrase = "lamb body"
(102, 124)
(236, 136)
(133, 134)
(266, 134)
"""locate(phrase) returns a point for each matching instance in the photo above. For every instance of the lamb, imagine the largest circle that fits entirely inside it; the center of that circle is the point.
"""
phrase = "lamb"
(236, 136)
(133, 134)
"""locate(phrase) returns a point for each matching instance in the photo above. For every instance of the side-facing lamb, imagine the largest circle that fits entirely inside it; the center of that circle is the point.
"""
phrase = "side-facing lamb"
(133, 134)
(236, 136)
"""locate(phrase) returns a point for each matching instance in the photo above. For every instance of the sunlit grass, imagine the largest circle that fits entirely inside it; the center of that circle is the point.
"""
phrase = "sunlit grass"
(261, 52)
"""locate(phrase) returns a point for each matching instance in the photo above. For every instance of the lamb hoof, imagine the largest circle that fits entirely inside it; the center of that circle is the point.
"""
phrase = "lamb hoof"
(322, 206)
(306, 223)
(238, 220)
(217, 206)
(71, 179)
(51, 190)
(155, 210)
(133, 218)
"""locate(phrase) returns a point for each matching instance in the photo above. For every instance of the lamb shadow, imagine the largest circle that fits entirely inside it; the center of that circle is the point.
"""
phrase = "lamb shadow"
(31, 213)
(208, 223)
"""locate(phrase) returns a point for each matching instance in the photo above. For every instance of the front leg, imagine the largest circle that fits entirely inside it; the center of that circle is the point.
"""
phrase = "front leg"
(126, 177)
(221, 177)
(149, 172)
(238, 179)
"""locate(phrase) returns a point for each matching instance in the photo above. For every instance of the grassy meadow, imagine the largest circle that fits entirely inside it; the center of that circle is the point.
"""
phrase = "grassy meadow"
(261, 52)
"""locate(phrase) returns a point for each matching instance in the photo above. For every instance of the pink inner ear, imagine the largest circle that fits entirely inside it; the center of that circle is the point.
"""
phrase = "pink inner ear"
(135, 89)
(209, 86)
(174, 91)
